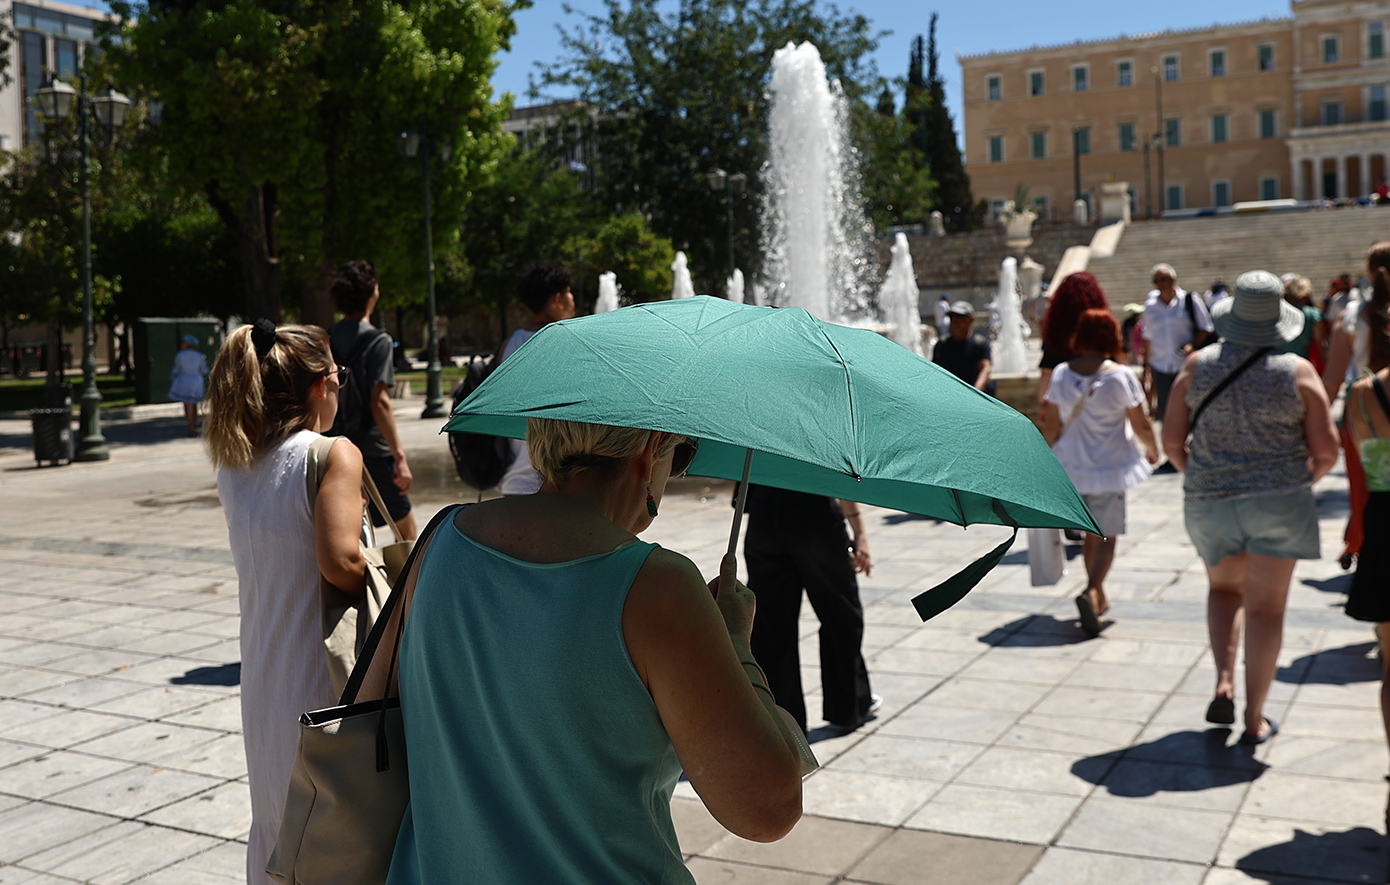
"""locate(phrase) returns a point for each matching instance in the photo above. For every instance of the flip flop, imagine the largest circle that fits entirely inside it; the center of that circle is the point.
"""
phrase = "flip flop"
(1090, 623)
(1251, 740)
(1221, 711)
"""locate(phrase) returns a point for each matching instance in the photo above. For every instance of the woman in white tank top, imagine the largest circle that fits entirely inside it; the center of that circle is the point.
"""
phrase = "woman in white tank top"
(272, 390)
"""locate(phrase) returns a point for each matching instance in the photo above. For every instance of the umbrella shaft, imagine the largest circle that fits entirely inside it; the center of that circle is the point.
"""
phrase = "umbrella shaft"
(738, 504)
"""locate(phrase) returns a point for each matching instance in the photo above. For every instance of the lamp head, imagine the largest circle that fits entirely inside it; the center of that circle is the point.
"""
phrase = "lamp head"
(55, 99)
(408, 143)
(717, 179)
(738, 183)
(111, 107)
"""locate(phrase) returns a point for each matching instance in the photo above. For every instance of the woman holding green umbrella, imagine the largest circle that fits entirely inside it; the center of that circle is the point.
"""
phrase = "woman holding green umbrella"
(557, 675)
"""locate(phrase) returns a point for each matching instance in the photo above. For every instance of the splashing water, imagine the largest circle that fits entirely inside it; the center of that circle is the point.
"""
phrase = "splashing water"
(683, 287)
(735, 287)
(898, 298)
(607, 293)
(817, 241)
(1008, 352)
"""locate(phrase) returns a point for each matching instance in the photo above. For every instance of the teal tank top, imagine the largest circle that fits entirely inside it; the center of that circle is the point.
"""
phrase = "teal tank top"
(536, 753)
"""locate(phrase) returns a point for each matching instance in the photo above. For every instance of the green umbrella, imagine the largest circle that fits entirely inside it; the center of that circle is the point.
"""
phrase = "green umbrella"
(828, 410)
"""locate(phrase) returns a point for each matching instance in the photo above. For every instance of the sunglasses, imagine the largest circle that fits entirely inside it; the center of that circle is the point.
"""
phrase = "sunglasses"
(1162, 279)
(683, 455)
(341, 372)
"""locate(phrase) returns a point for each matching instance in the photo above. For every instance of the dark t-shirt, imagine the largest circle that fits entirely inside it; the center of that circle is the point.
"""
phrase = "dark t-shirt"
(1051, 359)
(373, 367)
(962, 358)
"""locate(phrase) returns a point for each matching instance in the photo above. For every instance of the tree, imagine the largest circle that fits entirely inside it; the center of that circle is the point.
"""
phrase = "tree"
(937, 130)
(896, 180)
(657, 133)
(286, 115)
(625, 246)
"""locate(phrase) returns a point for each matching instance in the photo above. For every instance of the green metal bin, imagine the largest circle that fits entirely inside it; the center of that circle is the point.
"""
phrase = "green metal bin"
(157, 339)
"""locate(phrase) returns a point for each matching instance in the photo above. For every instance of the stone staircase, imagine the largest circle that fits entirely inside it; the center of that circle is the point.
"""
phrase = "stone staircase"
(1318, 245)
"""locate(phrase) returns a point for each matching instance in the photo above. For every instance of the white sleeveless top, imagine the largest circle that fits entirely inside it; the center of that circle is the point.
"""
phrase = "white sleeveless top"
(284, 669)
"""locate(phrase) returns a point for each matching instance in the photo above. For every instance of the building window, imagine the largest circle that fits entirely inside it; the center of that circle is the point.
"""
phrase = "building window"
(1269, 188)
(1041, 208)
(1375, 106)
(1218, 62)
(994, 88)
(1035, 82)
(31, 72)
(1268, 124)
(1332, 113)
(1218, 128)
(1124, 73)
(1039, 145)
(1173, 197)
(1329, 50)
(1172, 133)
(1265, 52)
(1170, 68)
(1221, 193)
(1082, 140)
(1127, 137)
(1375, 40)
(65, 54)
(1080, 78)
(996, 148)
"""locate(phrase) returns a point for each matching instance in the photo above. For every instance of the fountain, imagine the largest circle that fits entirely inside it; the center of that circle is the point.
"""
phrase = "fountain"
(735, 287)
(1009, 357)
(816, 240)
(607, 293)
(898, 298)
(682, 287)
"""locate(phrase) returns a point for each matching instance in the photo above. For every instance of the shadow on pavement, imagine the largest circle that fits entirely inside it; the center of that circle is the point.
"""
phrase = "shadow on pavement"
(1334, 666)
(139, 432)
(900, 518)
(1035, 631)
(226, 674)
(1181, 762)
(1356, 855)
(1339, 584)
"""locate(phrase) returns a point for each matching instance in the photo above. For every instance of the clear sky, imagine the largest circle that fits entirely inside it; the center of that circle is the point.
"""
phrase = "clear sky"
(966, 27)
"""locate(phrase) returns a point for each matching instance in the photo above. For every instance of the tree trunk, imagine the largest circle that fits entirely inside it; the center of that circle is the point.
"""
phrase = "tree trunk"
(260, 267)
(316, 304)
(53, 353)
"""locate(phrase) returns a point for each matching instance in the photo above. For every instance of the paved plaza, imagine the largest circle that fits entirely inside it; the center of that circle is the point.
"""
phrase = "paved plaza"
(1010, 747)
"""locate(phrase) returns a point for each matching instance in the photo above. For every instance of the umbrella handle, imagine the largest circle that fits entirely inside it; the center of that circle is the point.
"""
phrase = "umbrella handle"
(739, 503)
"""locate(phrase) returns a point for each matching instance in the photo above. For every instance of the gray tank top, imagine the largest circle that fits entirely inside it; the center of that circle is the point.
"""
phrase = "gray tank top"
(1250, 440)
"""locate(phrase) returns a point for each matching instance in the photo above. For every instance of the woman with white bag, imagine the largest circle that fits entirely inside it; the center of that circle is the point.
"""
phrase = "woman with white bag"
(272, 391)
(1093, 411)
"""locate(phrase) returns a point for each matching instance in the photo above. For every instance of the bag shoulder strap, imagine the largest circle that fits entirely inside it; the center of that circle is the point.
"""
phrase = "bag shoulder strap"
(1226, 382)
(318, 463)
(1380, 395)
(1080, 407)
(394, 609)
(373, 493)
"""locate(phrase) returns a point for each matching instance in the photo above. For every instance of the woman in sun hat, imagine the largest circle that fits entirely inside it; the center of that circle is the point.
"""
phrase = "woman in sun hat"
(1261, 435)
(186, 380)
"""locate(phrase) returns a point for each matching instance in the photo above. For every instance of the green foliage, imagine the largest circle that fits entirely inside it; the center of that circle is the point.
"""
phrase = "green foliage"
(683, 93)
(299, 105)
(958, 206)
(896, 182)
(627, 247)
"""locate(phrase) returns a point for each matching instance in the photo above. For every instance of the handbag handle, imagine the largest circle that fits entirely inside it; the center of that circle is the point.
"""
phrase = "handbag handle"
(374, 495)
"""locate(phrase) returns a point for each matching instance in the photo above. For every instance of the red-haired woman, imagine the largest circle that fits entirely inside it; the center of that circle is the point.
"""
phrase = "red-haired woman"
(1093, 410)
(1075, 295)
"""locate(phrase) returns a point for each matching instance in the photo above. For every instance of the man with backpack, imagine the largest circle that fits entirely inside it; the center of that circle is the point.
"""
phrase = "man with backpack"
(364, 414)
(1175, 324)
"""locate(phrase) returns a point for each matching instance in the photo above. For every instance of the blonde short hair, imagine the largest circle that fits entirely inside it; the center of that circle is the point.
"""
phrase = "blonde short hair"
(561, 449)
(1298, 288)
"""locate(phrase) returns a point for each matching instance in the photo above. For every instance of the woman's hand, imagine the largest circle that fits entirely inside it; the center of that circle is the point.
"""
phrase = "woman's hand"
(736, 602)
(863, 562)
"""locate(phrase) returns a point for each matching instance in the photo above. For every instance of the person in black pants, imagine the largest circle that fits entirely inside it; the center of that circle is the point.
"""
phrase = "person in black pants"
(797, 542)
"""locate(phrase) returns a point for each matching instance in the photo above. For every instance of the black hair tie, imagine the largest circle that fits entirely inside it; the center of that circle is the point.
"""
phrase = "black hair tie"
(262, 336)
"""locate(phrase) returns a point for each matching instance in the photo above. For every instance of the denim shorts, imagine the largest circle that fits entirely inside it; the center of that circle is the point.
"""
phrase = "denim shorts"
(1278, 526)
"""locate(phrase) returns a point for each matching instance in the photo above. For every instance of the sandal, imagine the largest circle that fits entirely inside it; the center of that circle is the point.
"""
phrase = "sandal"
(1251, 740)
(1090, 622)
(1221, 711)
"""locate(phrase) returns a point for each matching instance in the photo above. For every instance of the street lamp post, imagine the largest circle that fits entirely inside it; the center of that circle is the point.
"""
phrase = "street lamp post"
(728, 185)
(413, 144)
(56, 101)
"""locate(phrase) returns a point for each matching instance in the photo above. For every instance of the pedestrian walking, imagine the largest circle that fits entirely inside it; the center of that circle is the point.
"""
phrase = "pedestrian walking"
(1298, 291)
(1094, 411)
(1357, 346)
(941, 312)
(558, 675)
(273, 391)
(186, 380)
(963, 353)
(1075, 295)
(797, 543)
(1176, 323)
(1261, 435)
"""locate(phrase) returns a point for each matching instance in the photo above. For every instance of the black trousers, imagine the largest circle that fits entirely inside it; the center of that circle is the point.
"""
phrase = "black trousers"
(781, 564)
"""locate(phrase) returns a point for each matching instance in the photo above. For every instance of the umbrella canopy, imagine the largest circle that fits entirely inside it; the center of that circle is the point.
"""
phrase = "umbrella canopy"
(828, 410)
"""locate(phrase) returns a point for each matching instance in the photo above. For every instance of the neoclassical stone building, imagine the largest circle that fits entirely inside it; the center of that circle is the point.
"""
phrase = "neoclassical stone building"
(1289, 107)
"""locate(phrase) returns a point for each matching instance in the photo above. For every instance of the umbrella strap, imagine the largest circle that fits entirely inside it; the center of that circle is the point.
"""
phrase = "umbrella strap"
(740, 502)
(952, 590)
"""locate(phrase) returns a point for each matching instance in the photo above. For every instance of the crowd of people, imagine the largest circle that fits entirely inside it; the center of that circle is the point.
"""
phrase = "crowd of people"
(546, 600)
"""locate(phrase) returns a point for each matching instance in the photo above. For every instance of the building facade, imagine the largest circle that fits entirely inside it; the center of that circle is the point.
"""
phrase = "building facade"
(52, 38)
(1204, 118)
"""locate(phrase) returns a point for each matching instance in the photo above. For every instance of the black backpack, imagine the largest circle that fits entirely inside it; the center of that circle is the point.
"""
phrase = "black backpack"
(353, 407)
(481, 460)
(1212, 337)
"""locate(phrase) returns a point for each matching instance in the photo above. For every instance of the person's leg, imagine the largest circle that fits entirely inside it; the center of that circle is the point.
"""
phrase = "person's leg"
(190, 414)
(833, 591)
(1225, 615)
(1098, 554)
(773, 579)
(1383, 634)
(1163, 384)
(1266, 593)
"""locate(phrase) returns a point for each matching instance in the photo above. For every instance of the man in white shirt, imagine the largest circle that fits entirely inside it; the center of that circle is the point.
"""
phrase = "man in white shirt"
(545, 290)
(1175, 324)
